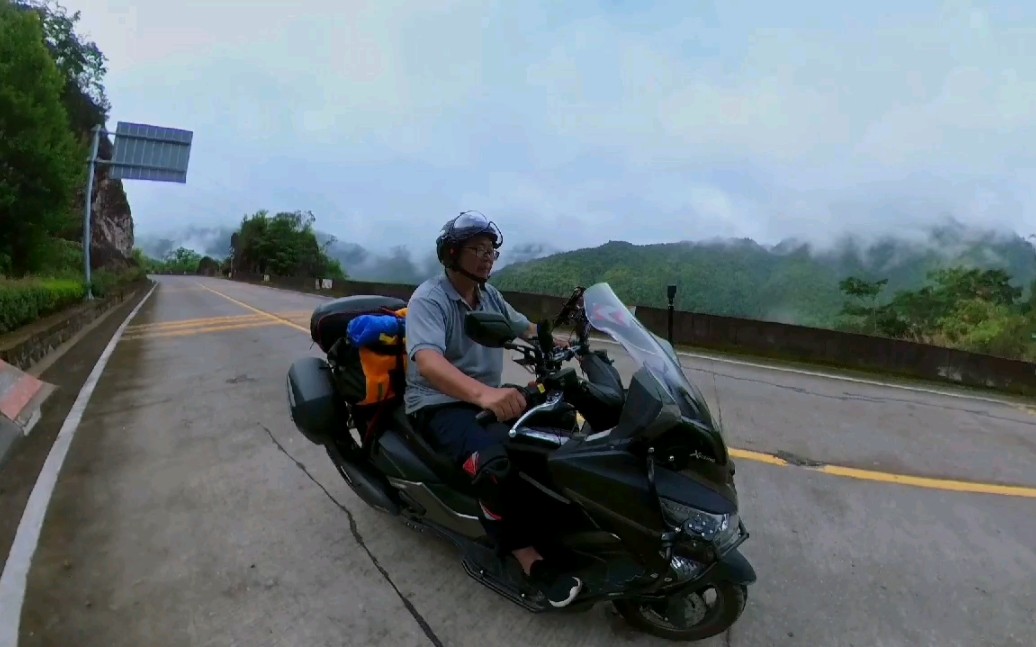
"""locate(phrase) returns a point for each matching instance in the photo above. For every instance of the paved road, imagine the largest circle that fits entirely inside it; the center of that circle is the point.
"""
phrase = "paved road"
(190, 511)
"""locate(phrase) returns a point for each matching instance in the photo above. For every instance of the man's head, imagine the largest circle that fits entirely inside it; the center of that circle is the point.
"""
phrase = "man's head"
(468, 245)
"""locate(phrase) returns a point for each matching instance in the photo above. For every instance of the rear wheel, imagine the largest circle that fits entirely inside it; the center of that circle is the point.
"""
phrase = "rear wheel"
(688, 615)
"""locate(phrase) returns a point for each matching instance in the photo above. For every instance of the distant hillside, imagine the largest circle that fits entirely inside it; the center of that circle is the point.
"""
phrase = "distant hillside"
(789, 282)
(398, 265)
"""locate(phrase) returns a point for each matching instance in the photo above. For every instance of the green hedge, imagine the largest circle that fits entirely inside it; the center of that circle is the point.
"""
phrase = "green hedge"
(23, 301)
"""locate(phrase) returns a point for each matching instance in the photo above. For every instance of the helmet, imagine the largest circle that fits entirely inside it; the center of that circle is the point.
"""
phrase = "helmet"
(461, 229)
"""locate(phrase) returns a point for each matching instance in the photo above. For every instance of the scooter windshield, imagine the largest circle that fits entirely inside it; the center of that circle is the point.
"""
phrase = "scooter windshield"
(658, 382)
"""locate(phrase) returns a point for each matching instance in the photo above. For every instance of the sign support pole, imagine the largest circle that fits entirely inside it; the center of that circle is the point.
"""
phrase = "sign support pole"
(90, 173)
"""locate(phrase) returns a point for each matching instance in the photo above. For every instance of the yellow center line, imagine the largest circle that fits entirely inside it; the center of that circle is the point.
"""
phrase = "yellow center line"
(189, 323)
(758, 457)
(950, 485)
(202, 330)
(270, 315)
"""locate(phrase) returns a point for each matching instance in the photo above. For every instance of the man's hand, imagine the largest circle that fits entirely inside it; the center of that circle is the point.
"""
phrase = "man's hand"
(506, 403)
(561, 342)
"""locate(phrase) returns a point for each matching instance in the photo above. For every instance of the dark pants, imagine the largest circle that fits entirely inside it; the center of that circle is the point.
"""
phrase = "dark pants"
(511, 508)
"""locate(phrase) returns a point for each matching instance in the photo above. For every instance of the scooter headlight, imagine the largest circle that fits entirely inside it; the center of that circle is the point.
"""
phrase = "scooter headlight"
(720, 529)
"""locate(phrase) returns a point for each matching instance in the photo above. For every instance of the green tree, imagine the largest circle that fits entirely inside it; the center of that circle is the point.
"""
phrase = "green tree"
(176, 261)
(208, 266)
(40, 162)
(282, 245)
(80, 61)
(182, 261)
(862, 308)
(954, 284)
(973, 309)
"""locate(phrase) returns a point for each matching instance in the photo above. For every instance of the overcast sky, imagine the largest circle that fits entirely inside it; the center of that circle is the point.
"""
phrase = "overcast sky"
(578, 122)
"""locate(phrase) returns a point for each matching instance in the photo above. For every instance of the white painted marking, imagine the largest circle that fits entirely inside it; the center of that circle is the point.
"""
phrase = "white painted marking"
(16, 571)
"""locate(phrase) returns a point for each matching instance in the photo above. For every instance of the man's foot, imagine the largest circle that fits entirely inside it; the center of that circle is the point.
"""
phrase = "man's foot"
(560, 588)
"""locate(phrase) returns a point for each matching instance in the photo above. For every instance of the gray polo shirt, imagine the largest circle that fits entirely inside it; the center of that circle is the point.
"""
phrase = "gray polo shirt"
(435, 319)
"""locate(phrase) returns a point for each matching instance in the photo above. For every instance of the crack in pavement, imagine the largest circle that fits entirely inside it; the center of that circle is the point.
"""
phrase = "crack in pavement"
(796, 459)
(425, 627)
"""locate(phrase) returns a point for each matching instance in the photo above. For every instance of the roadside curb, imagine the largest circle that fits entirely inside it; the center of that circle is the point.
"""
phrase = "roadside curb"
(10, 435)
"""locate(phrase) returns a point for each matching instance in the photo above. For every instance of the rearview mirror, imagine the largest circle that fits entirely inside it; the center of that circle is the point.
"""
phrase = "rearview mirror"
(490, 329)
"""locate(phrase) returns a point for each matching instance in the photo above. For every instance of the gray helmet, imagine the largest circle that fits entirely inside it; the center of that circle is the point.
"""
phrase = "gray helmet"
(461, 229)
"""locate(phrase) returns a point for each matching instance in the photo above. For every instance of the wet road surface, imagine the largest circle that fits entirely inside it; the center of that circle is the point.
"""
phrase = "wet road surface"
(190, 511)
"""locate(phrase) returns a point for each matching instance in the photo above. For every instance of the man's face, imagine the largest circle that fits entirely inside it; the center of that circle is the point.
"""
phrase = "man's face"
(477, 256)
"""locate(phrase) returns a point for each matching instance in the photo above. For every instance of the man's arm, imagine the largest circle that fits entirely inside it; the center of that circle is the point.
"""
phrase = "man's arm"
(531, 332)
(531, 329)
(426, 346)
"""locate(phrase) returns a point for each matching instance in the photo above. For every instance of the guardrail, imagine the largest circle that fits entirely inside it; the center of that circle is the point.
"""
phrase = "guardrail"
(892, 357)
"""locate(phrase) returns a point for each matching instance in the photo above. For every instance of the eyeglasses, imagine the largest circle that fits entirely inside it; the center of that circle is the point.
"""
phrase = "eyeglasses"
(487, 254)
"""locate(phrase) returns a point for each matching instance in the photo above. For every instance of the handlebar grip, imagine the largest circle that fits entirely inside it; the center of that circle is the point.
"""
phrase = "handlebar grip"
(486, 416)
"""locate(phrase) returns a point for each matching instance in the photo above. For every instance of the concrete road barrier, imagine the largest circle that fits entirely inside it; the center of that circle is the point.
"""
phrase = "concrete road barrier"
(21, 396)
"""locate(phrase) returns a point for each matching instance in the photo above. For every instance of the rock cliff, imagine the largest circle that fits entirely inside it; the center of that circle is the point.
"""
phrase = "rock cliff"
(111, 230)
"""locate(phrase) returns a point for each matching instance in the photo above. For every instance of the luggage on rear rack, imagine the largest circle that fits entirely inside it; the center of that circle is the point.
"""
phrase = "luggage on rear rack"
(364, 337)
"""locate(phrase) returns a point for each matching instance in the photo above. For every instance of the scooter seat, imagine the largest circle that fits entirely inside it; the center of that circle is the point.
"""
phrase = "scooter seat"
(450, 474)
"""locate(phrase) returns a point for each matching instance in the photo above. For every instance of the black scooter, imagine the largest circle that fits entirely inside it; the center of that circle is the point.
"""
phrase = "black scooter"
(645, 482)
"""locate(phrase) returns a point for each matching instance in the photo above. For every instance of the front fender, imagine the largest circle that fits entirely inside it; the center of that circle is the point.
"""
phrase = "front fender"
(733, 567)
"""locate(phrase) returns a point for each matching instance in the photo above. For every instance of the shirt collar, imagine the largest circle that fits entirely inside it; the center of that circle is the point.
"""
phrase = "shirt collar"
(453, 294)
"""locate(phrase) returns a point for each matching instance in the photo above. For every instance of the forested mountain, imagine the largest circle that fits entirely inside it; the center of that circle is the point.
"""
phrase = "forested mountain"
(791, 282)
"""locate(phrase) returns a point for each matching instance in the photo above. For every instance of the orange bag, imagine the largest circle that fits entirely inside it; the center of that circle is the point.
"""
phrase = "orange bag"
(384, 361)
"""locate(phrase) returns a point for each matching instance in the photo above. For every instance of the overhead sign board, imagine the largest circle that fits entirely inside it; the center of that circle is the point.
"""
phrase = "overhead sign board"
(150, 153)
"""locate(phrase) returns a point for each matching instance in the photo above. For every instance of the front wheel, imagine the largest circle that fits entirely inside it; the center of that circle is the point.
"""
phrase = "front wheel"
(687, 615)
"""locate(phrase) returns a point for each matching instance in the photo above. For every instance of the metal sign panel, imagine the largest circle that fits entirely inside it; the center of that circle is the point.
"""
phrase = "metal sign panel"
(152, 153)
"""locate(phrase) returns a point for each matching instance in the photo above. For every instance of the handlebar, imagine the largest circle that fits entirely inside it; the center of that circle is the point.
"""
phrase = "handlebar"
(564, 354)
(548, 363)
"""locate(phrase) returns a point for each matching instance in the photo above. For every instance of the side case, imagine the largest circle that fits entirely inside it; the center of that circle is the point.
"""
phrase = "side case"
(311, 400)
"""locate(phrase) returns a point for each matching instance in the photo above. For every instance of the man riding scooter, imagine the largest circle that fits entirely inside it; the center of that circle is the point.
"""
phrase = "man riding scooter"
(450, 379)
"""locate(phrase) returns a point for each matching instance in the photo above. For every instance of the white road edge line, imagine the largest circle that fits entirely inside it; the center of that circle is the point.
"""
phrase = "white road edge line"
(960, 395)
(16, 571)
